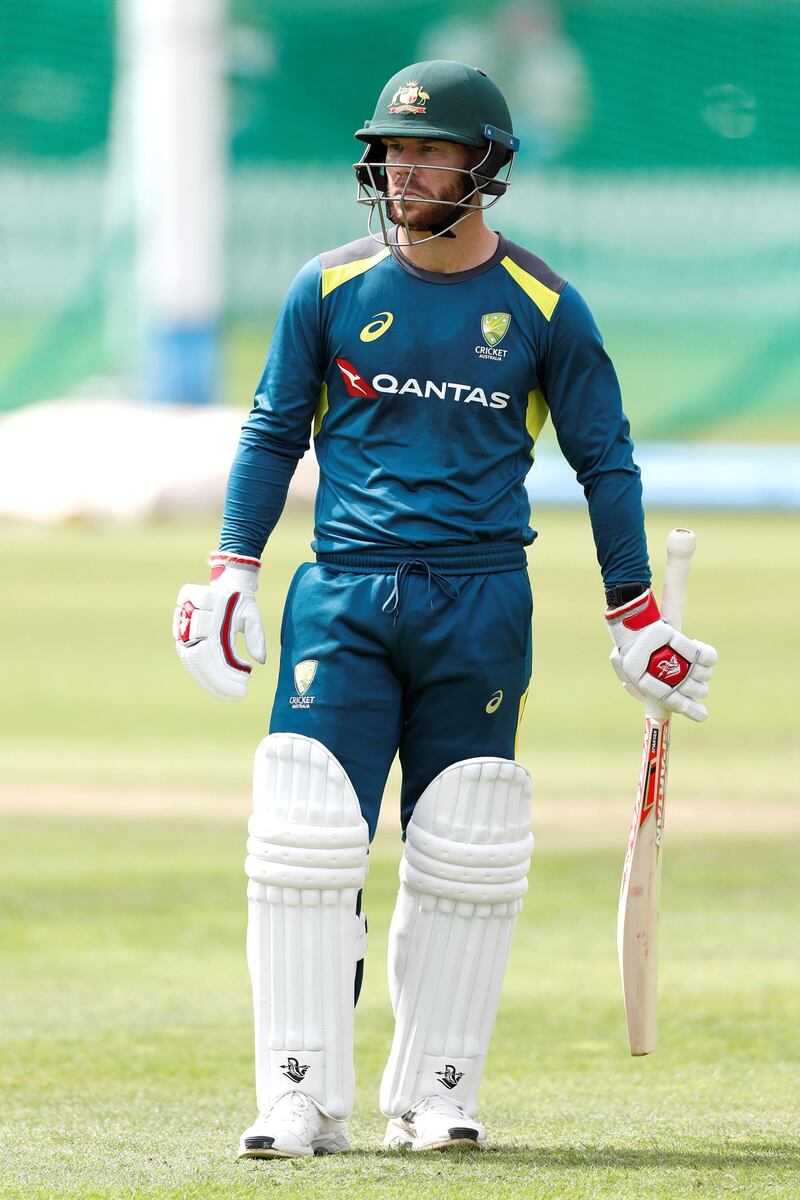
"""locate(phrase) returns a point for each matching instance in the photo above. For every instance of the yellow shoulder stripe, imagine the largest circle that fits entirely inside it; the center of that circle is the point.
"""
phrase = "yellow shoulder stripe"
(536, 415)
(543, 297)
(333, 276)
(322, 408)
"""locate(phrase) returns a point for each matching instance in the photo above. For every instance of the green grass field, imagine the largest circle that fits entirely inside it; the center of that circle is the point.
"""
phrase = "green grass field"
(126, 1046)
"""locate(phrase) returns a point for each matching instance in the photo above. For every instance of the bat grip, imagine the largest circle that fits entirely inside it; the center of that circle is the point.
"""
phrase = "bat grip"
(681, 545)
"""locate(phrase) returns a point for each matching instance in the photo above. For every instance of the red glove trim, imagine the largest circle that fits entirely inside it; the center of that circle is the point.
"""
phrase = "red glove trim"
(225, 636)
(222, 556)
(218, 560)
(636, 614)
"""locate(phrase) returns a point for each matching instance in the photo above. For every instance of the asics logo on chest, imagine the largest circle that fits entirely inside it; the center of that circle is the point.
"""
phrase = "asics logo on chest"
(376, 327)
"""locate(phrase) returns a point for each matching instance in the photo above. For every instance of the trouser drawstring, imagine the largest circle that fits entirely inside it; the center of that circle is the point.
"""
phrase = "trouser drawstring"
(445, 586)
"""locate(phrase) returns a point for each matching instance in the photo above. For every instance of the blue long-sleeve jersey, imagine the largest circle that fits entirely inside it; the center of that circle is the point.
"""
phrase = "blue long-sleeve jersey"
(426, 393)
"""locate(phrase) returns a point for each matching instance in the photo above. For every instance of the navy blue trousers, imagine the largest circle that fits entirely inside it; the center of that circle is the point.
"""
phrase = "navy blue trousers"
(405, 659)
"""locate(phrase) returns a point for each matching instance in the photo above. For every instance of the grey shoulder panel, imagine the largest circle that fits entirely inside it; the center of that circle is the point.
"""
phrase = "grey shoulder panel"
(536, 267)
(364, 247)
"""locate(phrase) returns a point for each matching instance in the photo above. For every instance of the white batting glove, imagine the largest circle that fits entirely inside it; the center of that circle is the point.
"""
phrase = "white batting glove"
(655, 661)
(207, 619)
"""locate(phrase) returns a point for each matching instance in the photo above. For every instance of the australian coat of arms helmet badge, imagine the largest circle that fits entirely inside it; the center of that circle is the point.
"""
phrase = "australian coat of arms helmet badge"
(409, 98)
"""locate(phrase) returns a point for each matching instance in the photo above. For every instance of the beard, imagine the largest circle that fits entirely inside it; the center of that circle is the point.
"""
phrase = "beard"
(425, 216)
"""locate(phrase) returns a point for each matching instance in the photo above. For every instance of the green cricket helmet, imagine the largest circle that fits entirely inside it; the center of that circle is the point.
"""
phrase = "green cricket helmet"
(448, 101)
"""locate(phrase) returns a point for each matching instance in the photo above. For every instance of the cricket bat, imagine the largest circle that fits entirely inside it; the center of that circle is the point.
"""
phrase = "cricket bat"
(640, 894)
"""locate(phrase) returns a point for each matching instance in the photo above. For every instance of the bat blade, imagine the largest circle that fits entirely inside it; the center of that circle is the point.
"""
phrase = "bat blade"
(640, 894)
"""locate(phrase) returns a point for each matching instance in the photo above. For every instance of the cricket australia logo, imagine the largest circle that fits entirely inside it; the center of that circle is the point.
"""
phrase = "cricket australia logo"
(494, 327)
(304, 673)
(293, 1070)
(450, 1076)
(409, 98)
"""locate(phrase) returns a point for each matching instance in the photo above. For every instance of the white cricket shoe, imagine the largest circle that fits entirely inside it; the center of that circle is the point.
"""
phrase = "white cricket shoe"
(293, 1127)
(435, 1123)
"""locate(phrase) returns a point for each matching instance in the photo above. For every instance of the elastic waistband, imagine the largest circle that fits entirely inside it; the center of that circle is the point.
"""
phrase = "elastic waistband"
(468, 559)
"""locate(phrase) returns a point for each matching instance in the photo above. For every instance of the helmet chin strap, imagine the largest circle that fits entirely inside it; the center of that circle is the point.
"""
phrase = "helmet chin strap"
(442, 228)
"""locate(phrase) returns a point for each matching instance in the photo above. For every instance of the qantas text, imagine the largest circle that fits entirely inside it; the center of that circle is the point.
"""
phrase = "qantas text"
(463, 392)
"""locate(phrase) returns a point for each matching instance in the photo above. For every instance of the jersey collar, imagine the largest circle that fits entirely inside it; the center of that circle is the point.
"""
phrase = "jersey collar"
(442, 276)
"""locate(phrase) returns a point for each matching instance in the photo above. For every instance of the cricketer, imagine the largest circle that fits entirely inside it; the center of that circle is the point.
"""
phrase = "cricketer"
(426, 357)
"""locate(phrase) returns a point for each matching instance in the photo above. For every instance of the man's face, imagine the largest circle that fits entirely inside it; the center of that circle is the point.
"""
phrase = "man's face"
(425, 185)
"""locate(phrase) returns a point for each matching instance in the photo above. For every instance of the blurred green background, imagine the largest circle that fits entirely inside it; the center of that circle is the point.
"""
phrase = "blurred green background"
(659, 171)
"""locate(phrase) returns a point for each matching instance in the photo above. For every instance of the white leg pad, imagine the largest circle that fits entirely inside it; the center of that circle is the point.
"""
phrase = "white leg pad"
(462, 877)
(306, 861)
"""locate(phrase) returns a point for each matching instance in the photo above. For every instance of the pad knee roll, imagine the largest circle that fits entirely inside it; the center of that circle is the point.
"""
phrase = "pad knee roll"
(462, 877)
(306, 863)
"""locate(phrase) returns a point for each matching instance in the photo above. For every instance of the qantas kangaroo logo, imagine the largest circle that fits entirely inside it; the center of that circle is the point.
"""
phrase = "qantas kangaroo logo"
(356, 385)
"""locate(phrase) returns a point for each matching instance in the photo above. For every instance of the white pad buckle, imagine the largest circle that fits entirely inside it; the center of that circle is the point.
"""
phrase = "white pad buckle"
(306, 862)
(462, 877)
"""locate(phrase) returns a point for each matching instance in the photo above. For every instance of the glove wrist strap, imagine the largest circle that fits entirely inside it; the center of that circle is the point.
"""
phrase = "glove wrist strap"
(642, 610)
(623, 593)
(233, 572)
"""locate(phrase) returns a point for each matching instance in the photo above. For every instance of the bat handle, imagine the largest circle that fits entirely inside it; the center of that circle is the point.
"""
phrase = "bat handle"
(681, 545)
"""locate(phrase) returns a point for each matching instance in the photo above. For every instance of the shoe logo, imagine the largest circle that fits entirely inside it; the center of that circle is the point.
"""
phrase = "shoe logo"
(294, 1071)
(495, 702)
(450, 1076)
(377, 326)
